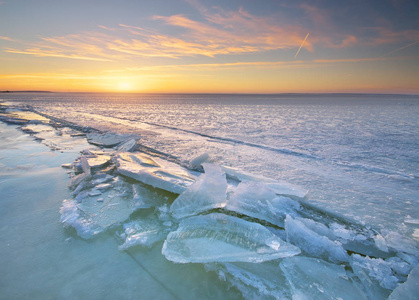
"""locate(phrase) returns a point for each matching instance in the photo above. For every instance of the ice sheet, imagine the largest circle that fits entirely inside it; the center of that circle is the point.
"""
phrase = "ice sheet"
(222, 238)
(207, 192)
(408, 290)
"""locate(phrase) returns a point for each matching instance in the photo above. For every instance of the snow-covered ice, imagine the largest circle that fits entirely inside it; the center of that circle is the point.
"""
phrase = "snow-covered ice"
(221, 238)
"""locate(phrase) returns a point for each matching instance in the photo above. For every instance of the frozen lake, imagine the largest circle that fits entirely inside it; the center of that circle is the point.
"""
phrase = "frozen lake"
(356, 155)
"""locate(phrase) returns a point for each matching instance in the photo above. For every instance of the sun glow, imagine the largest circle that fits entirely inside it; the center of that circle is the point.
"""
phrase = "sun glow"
(125, 86)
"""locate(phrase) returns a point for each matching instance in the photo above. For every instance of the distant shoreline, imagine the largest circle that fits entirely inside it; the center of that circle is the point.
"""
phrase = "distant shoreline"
(26, 92)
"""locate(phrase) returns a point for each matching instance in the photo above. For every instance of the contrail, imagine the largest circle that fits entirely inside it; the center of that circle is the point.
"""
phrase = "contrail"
(295, 56)
(404, 47)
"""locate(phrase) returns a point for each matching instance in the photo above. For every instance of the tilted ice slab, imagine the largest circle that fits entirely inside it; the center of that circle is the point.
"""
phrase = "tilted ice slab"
(221, 238)
(155, 172)
(409, 289)
(144, 232)
(108, 139)
(312, 242)
(257, 200)
(278, 186)
(312, 278)
(207, 192)
(255, 281)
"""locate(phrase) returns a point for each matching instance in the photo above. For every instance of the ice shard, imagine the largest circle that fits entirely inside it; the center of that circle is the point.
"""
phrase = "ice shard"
(313, 243)
(207, 192)
(312, 278)
(108, 139)
(257, 200)
(221, 238)
(144, 232)
(157, 173)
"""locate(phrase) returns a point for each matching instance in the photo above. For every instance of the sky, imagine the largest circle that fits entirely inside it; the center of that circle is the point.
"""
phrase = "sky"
(210, 46)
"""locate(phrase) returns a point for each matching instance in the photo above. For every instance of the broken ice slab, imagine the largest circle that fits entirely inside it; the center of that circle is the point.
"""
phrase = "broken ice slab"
(255, 281)
(144, 232)
(313, 243)
(207, 192)
(99, 161)
(107, 139)
(221, 238)
(280, 187)
(257, 200)
(312, 278)
(155, 172)
(408, 290)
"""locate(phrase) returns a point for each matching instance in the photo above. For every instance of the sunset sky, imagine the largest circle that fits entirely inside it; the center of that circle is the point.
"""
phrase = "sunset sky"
(210, 46)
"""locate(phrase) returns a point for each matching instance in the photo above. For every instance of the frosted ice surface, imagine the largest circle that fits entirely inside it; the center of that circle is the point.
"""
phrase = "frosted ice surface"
(207, 192)
(108, 139)
(164, 175)
(408, 290)
(144, 232)
(254, 281)
(280, 187)
(312, 242)
(255, 199)
(312, 278)
(222, 238)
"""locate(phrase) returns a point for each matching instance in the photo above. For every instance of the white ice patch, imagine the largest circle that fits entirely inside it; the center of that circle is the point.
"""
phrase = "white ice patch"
(255, 199)
(207, 192)
(313, 243)
(222, 238)
(312, 278)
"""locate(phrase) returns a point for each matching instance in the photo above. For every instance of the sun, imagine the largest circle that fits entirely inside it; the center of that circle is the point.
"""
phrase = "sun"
(124, 86)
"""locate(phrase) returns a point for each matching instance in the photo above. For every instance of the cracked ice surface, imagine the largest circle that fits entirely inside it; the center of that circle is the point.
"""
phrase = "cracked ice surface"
(221, 238)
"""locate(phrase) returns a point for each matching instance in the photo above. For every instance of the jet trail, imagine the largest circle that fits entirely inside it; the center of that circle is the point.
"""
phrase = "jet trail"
(295, 56)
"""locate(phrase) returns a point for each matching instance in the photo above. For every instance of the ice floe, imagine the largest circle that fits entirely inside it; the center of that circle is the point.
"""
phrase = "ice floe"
(107, 139)
(221, 238)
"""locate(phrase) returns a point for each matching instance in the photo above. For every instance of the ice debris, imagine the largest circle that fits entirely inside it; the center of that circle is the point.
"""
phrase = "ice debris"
(207, 192)
(221, 238)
